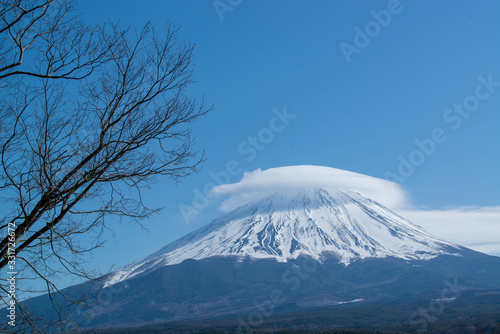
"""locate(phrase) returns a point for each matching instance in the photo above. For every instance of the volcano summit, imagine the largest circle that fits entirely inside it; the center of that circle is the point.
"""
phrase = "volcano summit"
(310, 222)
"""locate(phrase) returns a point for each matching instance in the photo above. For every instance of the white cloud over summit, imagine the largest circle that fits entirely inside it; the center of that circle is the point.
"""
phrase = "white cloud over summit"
(475, 227)
(258, 184)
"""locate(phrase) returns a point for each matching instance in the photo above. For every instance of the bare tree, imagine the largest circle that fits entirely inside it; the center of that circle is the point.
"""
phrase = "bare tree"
(88, 120)
(52, 38)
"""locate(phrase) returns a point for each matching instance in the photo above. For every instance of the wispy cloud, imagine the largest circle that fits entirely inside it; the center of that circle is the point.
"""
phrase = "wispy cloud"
(475, 227)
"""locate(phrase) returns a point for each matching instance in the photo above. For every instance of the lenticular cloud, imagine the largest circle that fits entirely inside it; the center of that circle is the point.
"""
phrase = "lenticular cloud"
(259, 184)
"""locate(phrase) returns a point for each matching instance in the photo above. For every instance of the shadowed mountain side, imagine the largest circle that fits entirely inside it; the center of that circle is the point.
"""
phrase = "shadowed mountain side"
(212, 287)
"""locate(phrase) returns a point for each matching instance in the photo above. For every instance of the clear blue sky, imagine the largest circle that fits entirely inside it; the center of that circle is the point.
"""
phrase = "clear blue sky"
(358, 116)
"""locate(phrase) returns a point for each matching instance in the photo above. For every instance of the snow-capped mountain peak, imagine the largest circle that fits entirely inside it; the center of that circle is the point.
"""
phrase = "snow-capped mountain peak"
(311, 222)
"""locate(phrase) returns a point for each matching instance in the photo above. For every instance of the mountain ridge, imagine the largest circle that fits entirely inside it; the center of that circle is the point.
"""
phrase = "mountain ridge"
(308, 221)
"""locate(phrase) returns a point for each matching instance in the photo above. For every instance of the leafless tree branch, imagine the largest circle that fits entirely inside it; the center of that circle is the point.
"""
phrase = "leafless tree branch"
(73, 150)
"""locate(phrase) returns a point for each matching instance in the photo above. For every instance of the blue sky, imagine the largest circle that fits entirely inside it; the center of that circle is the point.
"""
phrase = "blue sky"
(360, 116)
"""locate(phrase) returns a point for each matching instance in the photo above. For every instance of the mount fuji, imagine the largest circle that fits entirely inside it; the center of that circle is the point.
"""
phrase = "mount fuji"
(308, 222)
(302, 249)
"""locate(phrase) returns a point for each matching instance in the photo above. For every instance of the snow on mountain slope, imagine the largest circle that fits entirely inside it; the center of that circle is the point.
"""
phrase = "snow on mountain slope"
(312, 222)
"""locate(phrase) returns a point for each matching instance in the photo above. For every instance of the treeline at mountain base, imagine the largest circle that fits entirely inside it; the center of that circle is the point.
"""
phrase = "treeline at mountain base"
(473, 312)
